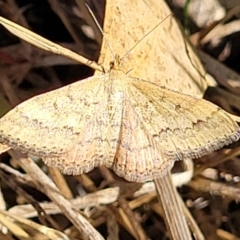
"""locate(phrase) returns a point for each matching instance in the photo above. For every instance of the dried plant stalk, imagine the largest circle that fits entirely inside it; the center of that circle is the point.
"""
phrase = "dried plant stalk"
(173, 212)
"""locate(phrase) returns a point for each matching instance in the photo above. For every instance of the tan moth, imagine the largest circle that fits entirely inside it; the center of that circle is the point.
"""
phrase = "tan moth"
(131, 125)
(128, 124)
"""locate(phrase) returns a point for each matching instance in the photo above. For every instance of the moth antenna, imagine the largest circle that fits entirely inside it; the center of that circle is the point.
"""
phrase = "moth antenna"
(101, 30)
(128, 52)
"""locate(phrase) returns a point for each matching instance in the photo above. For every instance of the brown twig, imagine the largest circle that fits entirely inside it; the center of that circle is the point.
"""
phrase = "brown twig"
(175, 220)
(87, 231)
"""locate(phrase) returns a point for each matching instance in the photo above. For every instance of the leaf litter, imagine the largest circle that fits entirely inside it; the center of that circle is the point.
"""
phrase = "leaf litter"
(225, 118)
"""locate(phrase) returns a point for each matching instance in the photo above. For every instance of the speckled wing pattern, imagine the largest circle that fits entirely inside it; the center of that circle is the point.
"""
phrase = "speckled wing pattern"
(68, 127)
(130, 125)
